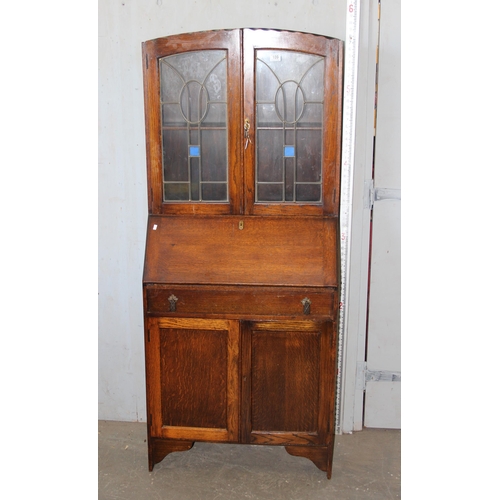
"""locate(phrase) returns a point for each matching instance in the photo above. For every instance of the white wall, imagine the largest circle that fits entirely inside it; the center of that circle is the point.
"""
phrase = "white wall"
(123, 25)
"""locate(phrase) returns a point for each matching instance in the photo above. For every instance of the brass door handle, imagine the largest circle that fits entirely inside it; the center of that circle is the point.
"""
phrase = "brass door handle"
(246, 129)
(173, 302)
(306, 303)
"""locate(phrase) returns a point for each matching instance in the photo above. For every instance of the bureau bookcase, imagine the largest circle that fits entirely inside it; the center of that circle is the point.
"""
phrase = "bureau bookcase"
(240, 279)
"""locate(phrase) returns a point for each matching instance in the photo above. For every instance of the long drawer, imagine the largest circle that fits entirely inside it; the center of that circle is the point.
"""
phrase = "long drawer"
(239, 301)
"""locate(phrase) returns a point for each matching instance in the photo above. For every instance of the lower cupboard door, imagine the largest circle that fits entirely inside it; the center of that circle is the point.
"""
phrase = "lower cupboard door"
(288, 382)
(193, 379)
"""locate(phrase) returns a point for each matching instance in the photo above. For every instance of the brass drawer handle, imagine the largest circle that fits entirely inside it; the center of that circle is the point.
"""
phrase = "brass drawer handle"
(307, 305)
(173, 302)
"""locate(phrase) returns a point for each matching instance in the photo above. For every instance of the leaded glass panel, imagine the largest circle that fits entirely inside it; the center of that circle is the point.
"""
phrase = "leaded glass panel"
(193, 91)
(289, 122)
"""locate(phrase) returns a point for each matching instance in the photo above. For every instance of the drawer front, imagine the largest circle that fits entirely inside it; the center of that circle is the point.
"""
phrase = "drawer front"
(239, 301)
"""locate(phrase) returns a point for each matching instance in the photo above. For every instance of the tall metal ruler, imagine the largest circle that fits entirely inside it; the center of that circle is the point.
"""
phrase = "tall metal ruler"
(347, 165)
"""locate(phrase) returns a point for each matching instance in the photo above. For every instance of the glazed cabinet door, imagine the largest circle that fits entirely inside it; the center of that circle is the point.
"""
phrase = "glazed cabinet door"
(193, 379)
(193, 108)
(288, 382)
(293, 93)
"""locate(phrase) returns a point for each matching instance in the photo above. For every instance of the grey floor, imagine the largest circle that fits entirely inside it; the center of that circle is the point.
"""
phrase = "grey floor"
(366, 466)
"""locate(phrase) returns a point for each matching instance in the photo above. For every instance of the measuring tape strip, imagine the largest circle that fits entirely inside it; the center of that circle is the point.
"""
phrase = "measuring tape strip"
(347, 165)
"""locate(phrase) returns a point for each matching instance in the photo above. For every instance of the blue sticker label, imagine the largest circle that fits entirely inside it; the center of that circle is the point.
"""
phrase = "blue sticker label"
(194, 150)
(289, 151)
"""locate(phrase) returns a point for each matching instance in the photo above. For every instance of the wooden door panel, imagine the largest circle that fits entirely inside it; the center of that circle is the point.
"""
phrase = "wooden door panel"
(288, 382)
(193, 368)
(285, 381)
(194, 378)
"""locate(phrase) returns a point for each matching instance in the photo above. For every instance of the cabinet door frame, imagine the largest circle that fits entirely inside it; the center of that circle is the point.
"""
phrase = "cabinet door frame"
(153, 51)
(153, 375)
(326, 386)
(332, 50)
